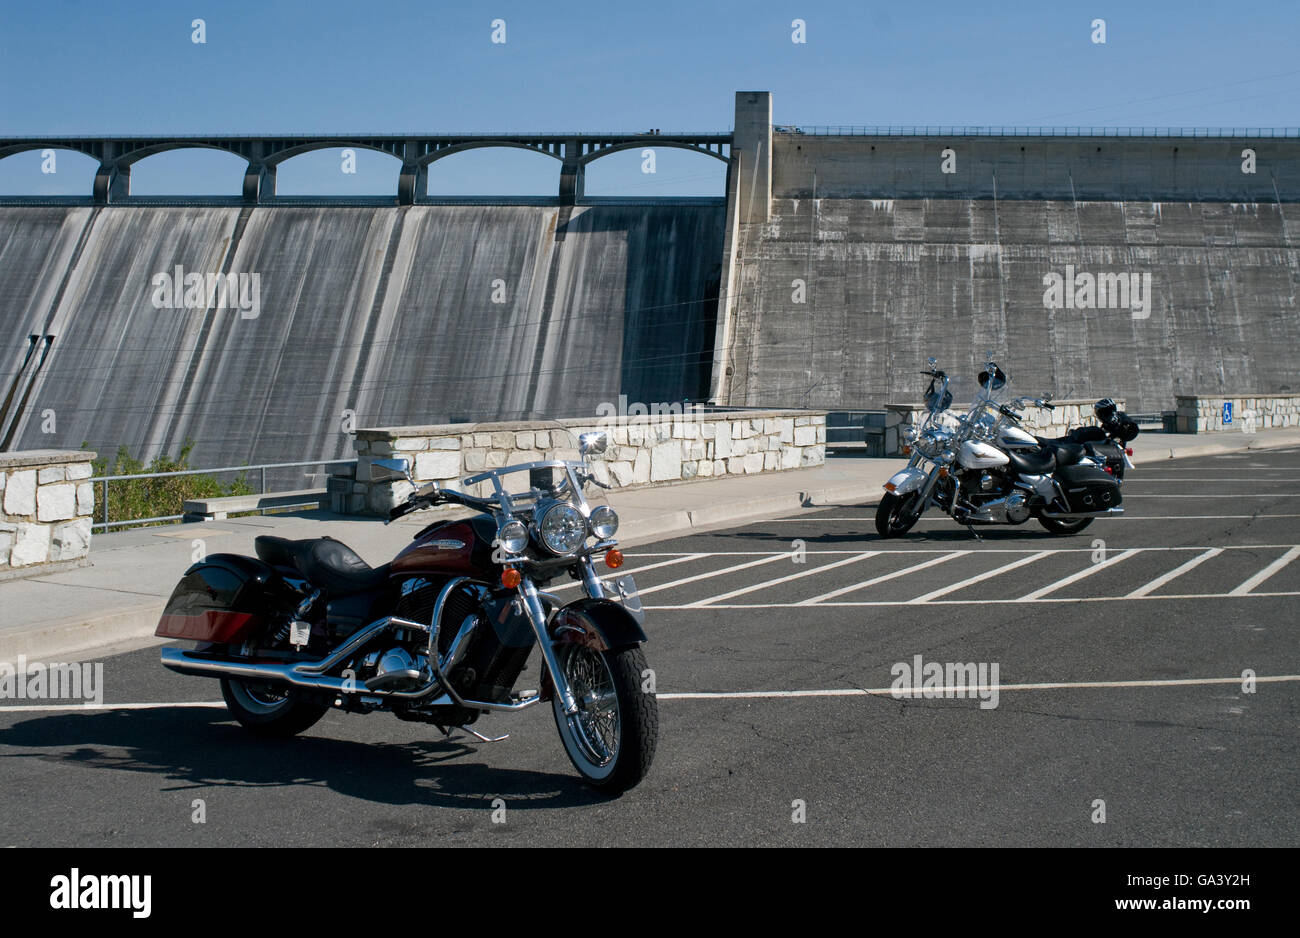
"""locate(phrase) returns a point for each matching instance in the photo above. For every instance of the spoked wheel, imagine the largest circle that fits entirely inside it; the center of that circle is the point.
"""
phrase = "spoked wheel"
(897, 513)
(268, 710)
(1057, 526)
(611, 739)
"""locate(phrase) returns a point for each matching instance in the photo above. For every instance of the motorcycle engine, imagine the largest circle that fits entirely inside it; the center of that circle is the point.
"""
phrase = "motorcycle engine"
(991, 498)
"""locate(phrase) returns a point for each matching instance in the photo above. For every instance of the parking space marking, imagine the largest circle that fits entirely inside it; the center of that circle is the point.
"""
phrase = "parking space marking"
(991, 602)
(1247, 587)
(861, 519)
(712, 573)
(979, 578)
(984, 688)
(1076, 577)
(881, 579)
(650, 566)
(1174, 573)
(732, 695)
(785, 579)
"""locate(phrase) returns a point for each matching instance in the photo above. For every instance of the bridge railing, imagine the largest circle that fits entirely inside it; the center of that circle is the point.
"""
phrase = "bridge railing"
(958, 130)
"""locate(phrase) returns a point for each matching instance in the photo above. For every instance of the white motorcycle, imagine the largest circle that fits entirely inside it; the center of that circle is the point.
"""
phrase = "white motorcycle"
(982, 467)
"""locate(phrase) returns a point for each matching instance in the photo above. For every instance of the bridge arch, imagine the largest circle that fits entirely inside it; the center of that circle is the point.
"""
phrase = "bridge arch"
(652, 142)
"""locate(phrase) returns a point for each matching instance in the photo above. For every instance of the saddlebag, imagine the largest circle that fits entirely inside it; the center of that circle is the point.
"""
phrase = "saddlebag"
(1088, 488)
(222, 599)
(1112, 453)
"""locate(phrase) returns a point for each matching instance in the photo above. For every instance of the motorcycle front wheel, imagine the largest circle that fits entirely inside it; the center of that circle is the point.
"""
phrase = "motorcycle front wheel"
(611, 739)
(896, 514)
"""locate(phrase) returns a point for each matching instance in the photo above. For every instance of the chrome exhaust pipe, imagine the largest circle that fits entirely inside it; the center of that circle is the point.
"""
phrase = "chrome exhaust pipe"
(308, 675)
(1080, 515)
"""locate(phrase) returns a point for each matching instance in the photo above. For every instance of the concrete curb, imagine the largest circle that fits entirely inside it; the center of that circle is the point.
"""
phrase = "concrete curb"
(74, 638)
(137, 623)
(1158, 454)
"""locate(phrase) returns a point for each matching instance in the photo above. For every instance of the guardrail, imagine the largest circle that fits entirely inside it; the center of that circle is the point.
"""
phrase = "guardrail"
(956, 130)
(105, 524)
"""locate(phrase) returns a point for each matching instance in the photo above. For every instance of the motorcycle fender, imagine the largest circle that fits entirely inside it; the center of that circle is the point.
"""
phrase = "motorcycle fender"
(599, 624)
(906, 480)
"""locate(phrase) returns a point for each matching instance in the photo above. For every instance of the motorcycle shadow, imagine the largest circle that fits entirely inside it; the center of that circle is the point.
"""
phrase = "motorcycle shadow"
(936, 535)
(203, 748)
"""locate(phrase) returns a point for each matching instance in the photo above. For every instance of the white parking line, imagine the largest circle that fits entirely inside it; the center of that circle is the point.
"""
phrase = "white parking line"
(1267, 572)
(1076, 577)
(53, 708)
(638, 570)
(889, 691)
(712, 573)
(741, 695)
(865, 519)
(986, 602)
(1175, 573)
(1006, 568)
(881, 579)
(785, 579)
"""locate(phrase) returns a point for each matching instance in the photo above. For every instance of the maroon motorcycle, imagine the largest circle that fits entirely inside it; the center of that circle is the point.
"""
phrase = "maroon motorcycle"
(442, 633)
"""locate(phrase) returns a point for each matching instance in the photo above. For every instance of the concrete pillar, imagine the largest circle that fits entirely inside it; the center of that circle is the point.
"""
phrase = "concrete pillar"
(412, 183)
(753, 138)
(112, 181)
(571, 174)
(259, 183)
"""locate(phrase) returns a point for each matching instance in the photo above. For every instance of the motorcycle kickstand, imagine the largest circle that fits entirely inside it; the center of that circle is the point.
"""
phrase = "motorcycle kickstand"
(477, 735)
(975, 534)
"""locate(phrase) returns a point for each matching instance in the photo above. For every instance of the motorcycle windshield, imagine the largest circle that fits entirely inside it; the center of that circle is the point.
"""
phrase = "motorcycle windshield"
(510, 459)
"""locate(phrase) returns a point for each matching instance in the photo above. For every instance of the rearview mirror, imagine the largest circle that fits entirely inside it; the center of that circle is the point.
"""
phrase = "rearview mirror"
(593, 443)
(390, 470)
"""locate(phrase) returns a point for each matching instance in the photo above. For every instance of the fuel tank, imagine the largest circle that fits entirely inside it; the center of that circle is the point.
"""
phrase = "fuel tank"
(975, 455)
(459, 547)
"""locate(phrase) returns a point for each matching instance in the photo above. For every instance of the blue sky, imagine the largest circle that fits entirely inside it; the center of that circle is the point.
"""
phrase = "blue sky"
(79, 67)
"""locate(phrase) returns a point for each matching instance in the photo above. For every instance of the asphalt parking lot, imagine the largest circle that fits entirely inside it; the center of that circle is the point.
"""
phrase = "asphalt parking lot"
(1120, 655)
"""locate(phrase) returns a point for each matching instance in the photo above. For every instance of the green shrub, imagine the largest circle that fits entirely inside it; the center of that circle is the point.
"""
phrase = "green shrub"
(150, 498)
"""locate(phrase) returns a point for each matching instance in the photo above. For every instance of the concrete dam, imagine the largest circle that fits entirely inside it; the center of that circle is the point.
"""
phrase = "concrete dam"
(1091, 264)
(394, 315)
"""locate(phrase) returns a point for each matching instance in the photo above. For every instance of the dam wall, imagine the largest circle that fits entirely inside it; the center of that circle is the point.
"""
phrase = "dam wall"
(364, 316)
(839, 299)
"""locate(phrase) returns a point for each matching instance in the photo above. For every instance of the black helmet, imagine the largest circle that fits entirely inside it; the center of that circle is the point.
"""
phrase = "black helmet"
(1105, 409)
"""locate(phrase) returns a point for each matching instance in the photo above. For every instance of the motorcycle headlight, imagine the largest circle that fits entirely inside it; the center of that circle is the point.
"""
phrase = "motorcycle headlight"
(513, 536)
(604, 522)
(563, 529)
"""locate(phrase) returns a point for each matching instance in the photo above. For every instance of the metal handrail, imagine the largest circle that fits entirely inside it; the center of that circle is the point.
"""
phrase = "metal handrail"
(955, 130)
(105, 524)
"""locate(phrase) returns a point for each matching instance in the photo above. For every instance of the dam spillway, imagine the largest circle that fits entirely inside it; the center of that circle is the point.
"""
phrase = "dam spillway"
(395, 315)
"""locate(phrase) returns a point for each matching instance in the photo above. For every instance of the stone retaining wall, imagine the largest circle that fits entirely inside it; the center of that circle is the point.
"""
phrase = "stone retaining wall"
(642, 451)
(1065, 416)
(1200, 414)
(46, 502)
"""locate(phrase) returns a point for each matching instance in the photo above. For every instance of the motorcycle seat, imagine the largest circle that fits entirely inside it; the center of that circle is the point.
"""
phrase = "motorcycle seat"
(1034, 462)
(325, 562)
(1066, 453)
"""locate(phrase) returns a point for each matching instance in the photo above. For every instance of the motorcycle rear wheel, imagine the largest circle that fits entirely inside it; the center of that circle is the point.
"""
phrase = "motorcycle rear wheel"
(611, 739)
(1058, 527)
(892, 518)
(268, 711)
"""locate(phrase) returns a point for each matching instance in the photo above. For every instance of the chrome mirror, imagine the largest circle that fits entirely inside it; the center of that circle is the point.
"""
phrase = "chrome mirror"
(390, 470)
(593, 443)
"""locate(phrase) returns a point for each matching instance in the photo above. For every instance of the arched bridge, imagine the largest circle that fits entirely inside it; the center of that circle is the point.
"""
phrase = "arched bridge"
(116, 155)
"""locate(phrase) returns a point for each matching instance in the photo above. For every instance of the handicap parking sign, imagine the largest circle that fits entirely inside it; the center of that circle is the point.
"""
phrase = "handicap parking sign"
(1227, 411)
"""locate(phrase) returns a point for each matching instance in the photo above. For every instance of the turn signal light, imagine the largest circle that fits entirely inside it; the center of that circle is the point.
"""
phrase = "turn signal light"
(907, 450)
(1110, 470)
(510, 578)
(890, 486)
(614, 559)
(943, 473)
(1129, 451)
